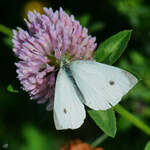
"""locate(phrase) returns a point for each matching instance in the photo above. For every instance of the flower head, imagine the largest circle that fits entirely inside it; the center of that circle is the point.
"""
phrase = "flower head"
(78, 145)
(48, 37)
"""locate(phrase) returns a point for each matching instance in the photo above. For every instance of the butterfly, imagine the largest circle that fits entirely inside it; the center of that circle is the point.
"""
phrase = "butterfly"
(85, 82)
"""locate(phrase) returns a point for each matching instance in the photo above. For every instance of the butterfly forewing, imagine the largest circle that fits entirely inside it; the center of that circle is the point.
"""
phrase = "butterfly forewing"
(102, 85)
(69, 112)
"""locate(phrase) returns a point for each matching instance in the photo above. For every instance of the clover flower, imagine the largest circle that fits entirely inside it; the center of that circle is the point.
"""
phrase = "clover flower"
(79, 145)
(48, 37)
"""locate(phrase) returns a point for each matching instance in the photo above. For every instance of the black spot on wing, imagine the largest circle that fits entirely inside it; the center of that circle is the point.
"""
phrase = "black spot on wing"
(65, 111)
(111, 82)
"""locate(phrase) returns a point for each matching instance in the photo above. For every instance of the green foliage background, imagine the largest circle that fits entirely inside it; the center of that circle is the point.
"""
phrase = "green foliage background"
(26, 125)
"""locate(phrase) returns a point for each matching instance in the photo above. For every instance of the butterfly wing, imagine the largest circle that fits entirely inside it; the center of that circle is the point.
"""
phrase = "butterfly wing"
(69, 112)
(102, 85)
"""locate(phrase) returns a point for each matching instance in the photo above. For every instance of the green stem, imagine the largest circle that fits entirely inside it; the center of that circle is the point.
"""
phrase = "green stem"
(134, 120)
(99, 140)
(5, 30)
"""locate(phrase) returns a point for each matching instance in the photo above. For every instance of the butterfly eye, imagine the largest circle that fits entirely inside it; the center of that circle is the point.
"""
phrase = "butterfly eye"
(111, 82)
(65, 111)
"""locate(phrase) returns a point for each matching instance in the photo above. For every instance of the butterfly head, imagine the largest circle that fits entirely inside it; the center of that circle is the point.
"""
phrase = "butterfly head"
(63, 61)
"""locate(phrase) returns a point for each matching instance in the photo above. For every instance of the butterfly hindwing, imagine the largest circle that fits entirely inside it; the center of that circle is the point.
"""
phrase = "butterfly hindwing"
(69, 112)
(102, 85)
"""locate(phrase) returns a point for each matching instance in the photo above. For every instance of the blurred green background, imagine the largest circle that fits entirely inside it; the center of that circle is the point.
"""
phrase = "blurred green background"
(25, 125)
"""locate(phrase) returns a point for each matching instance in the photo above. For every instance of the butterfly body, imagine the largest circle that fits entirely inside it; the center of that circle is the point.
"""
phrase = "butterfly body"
(71, 77)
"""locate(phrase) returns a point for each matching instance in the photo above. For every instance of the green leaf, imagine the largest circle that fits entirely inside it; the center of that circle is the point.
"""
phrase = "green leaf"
(8, 41)
(112, 48)
(97, 26)
(5, 30)
(11, 89)
(105, 120)
(35, 140)
(123, 124)
(147, 147)
(84, 20)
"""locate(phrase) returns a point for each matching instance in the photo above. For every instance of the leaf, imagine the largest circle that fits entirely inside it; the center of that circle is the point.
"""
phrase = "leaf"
(32, 135)
(84, 20)
(97, 26)
(137, 58)
(11, 89)
(147, 147)
(8, 41)
(112, 48)
(123, 124)
(5, 30)
(105, 120)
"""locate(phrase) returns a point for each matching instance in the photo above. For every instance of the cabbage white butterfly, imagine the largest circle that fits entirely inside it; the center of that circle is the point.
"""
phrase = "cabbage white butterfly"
(98, 86)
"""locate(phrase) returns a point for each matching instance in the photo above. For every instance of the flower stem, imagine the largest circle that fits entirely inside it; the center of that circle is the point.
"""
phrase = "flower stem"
(5, 30)
(99, 140)
(134, 120)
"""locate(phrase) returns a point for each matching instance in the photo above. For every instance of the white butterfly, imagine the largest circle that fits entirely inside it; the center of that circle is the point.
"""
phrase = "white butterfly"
(98, 86)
